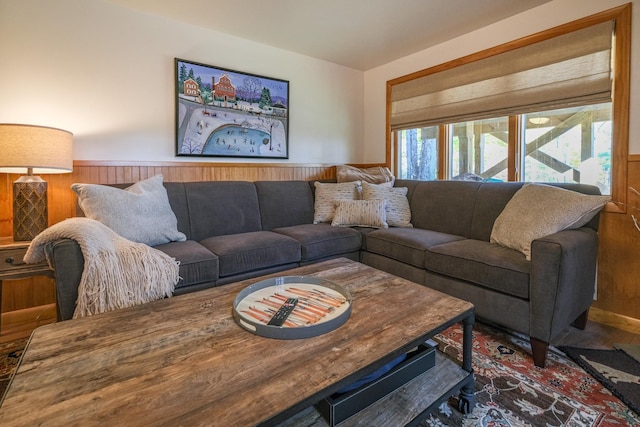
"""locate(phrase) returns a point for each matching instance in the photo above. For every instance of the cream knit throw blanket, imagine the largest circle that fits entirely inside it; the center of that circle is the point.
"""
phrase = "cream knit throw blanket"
(117, 273)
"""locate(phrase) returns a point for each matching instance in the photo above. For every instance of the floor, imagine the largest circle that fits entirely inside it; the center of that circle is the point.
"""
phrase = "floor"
(20, 323)
(595, 335)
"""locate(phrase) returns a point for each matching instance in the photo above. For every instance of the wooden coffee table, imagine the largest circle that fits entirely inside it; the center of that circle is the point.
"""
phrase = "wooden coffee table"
(185, 361)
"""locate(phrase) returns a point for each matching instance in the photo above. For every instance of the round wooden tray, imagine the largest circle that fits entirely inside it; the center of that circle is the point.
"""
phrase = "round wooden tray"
(322, 306)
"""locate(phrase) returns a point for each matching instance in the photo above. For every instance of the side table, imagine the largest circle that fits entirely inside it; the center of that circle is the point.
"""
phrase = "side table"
(12, 266)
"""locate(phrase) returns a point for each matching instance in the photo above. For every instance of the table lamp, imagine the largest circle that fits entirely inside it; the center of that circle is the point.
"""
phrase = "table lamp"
(33, 149)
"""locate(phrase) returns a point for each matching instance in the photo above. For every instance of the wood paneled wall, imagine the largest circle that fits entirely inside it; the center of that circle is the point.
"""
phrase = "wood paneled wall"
(19, 294)
(619, 256)
(62, 200)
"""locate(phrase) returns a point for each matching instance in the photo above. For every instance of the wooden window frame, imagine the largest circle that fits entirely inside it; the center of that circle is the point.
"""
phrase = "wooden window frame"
(620, 100)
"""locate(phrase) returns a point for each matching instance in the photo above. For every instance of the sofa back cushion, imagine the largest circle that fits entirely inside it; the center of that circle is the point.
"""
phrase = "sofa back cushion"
(178, 201)
(444, 206)
(409, 184)
(492, 198)
(218, 208)
(468, 208)
(284, 203)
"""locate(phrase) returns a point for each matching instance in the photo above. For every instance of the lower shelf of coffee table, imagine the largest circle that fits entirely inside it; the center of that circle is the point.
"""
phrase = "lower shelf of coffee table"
(407, 405)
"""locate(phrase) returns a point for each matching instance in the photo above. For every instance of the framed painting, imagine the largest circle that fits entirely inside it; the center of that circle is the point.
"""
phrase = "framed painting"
(227, 113)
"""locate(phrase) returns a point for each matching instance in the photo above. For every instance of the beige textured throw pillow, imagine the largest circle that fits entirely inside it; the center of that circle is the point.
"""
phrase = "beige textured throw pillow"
(398, 210)
(140, 213)
(328, 193)
(374, 175)
(538, 210)
(360, 213)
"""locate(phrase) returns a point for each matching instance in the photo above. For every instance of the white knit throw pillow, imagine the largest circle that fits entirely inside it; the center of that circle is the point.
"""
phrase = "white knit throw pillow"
(140, 213)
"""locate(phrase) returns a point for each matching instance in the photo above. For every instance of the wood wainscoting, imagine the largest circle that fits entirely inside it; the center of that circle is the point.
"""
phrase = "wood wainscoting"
(618, 296)
(39, 291)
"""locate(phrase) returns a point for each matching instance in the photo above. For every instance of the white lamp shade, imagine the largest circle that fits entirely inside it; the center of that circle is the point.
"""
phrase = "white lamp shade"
(45, 149)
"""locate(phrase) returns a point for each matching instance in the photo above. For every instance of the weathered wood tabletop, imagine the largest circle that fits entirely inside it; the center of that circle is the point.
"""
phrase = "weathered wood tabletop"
(185, 361)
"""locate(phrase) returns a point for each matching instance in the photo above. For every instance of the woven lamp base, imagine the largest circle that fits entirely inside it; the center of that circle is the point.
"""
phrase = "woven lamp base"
(30, 213)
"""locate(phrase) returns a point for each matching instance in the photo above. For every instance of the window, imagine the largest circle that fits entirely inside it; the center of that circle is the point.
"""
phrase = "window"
(552, 107)
(418, 153)
(479, 149)
(568, 145)
(565, 145)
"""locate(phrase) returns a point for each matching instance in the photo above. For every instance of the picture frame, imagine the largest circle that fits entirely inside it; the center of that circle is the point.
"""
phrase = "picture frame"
(227, 113)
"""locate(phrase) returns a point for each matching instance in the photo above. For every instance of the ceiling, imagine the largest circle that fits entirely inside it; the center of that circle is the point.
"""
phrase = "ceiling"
(360, 34)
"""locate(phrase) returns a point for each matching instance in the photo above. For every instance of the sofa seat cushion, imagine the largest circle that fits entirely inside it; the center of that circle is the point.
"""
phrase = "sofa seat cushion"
(243, 252)
(322, 240)
(406, 244)
(197, 263)
(487, 264)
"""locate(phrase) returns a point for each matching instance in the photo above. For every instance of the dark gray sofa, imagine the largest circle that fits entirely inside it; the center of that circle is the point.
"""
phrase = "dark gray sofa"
(240, 230)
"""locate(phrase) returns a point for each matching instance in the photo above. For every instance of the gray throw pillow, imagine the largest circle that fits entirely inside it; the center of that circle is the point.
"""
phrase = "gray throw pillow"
(538, 210)
(140, 213)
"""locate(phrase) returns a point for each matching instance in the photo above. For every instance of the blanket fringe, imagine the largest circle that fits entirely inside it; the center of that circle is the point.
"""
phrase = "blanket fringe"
(117, 273)
(126, 278)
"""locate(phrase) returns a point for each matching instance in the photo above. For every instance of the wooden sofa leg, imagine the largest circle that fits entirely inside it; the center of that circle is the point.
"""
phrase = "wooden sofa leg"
(539, 351)
(581, 321)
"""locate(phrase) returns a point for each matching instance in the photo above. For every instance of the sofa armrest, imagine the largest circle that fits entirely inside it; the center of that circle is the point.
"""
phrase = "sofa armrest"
(563, 277)
(65, 257)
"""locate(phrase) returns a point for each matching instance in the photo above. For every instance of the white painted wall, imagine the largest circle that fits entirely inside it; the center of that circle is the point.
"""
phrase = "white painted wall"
(546, 16)
(105, 73)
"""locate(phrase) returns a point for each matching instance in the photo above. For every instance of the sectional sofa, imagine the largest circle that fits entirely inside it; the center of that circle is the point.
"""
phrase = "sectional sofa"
(239, 230)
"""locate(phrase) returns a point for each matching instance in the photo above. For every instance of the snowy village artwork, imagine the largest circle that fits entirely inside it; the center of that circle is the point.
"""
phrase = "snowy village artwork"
(221, 112)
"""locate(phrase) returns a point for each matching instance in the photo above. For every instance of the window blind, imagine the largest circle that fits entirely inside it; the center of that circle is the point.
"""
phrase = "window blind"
(567, 70)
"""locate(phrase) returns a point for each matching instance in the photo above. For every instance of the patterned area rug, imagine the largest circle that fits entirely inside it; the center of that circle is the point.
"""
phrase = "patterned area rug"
(615, 369)
(511, 391)
(633, 350)
(10, 353)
